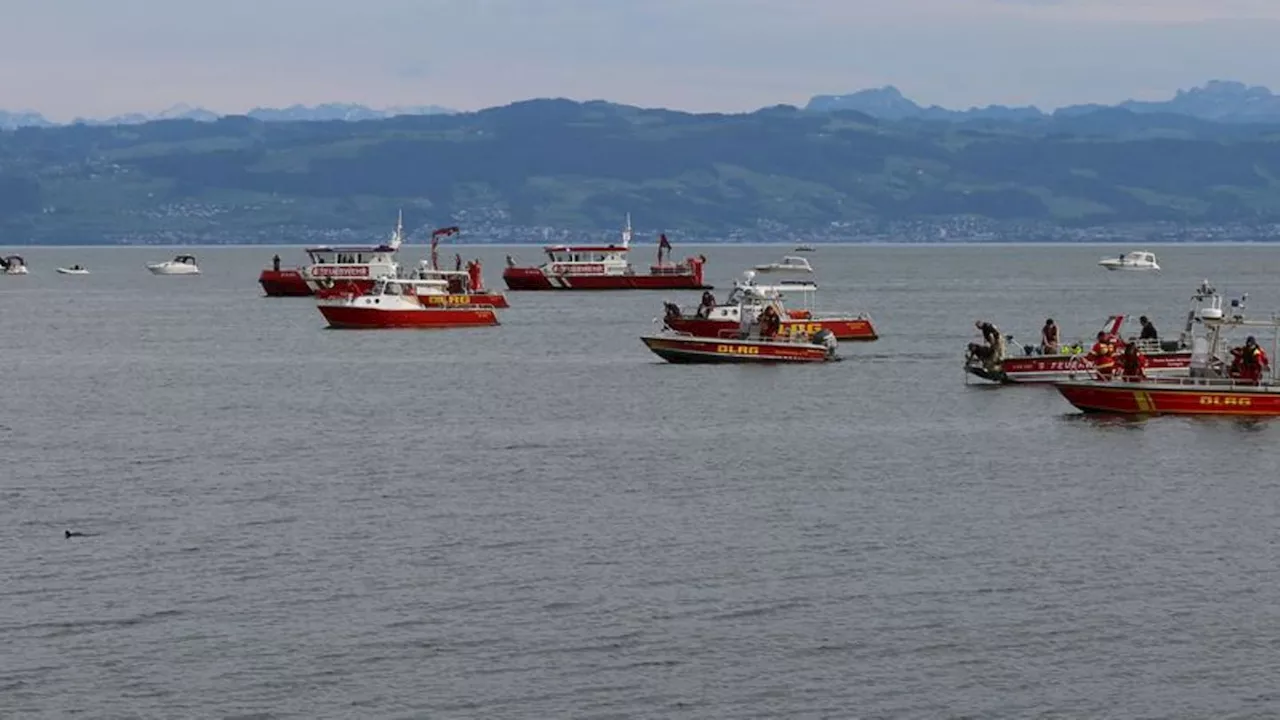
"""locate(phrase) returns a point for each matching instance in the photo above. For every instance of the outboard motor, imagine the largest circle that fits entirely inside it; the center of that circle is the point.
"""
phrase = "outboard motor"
(827, 339)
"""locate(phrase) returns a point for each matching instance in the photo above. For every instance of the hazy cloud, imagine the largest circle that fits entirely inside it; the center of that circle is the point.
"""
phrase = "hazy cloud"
(69, 57)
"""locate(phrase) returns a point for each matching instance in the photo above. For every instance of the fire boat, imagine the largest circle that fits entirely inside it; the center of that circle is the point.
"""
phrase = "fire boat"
(462, 287)
(758, 339)
(354, 267)
(1213, 386)
(590, 267)
(283, 282)
(1172, 357)
(401, 303)
(710, 319)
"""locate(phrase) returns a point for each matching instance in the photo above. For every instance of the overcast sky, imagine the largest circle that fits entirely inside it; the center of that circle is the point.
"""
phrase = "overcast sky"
(100, 57)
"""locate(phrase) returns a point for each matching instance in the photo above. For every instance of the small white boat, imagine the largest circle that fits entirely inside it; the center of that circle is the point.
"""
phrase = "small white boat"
(804, 248)
(1136, 260)
(74, 270)
(14, 265)
(180, 265)
(790, 263)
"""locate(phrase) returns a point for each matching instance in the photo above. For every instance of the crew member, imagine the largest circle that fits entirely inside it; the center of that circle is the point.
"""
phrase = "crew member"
(1250, 362)
(991, 350)
(473, 271)
(769, 323)
(457, 261)
(1049, 338)
(707, 305)
(275, 263)
(1103, 356)
(1148, 330)
(1132, 364)
(511, 262)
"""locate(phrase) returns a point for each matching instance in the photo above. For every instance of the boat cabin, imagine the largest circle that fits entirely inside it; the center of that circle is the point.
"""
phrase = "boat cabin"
(409, 286)
(1139, 257)
(587, 260)
(185, 260)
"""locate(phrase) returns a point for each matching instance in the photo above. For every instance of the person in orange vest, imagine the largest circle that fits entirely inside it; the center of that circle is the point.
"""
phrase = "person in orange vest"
(769, 323)
(1103, 356)
(1250, 361)
(1132, 364)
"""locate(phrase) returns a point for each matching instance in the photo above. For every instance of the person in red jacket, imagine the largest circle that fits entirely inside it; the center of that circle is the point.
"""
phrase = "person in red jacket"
(1103, 356)
(1249, 362)
(1132, 364)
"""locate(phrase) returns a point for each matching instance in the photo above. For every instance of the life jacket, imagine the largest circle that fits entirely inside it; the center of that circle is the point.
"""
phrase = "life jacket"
(1132, 365)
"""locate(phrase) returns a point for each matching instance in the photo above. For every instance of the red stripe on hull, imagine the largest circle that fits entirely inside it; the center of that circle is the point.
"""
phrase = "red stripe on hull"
(1153, 399)
(696, 350)
(854, 329)
(284, 283)
(534, 279)
(341, 316)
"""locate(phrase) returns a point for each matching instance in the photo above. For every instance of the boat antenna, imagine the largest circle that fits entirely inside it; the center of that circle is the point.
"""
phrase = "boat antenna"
(626, 232)
(397, 237)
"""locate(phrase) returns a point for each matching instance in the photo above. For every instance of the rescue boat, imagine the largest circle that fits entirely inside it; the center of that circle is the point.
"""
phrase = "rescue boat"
(1033, 366)
(353, 267)
(747, 296)
(1212, 388)
(284, 282)
(590, 267)
(682, 348)
(400, 303)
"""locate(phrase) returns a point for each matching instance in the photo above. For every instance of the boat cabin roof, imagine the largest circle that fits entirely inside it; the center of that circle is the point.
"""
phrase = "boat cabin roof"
(352, 249)
(583, 248)
(1140, 255)
(16, 257)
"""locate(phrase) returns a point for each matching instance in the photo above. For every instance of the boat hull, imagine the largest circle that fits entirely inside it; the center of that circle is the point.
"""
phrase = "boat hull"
(284, 283)
(535, 279)
(171, 270)
(701, 350)
(364, 318)
(842, 328)
(72, 271)
(1156, 398)
(490, 299)
(1062, 368)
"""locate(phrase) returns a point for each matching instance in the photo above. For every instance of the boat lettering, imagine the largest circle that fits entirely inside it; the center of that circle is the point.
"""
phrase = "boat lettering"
(577, 269)
(338, 271)
(448, 299)
(1220, 400)
(738, 349)
(803, 327)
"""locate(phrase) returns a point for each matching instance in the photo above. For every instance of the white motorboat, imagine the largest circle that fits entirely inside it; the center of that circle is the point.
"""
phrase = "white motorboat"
(180, 265)
(790, 263)
(74, 270)
(1136, 260)
(13, 265)
(804, 248)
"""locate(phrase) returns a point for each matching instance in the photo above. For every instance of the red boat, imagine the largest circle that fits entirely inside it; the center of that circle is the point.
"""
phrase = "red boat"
(605, 268)
(1033, 366)
(400, 303)
(286, 282)
(1213, 388)
(711, 319)
(688, 349)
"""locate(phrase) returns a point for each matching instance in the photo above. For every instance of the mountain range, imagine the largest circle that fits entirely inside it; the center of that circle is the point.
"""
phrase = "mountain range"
(1217, 100)
(550, 165)
(182, 111)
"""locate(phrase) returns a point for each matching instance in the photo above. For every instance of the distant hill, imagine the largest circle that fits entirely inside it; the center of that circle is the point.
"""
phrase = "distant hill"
(1218, 100)
(582, 166)
(293, 113)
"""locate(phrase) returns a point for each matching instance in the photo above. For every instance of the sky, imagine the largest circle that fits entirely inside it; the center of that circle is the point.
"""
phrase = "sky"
(94, 58)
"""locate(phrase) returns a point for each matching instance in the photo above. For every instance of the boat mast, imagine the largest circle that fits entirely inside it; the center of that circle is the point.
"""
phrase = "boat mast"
(397, 237)
(626, 232)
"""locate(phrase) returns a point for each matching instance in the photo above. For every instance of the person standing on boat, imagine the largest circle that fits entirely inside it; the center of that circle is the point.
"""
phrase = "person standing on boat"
(708, 304)
(769, 323)
(1250, 361)
(991, 350)
(275, 263)
(1049, 338)
(1148, 330)
(457, 261)
(1103, 356)
(1132, 364)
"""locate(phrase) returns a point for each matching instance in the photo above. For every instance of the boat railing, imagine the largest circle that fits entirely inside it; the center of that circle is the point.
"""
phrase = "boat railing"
(1214, 383)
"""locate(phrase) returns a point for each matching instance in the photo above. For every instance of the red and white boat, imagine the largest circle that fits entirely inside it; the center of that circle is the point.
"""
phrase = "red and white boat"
(1212, 387)
(605, 267)
(283, 282)
(353, 267)
(401, 303)
(1163, 358)
(712, 318)
(462, 287)
(688, 349)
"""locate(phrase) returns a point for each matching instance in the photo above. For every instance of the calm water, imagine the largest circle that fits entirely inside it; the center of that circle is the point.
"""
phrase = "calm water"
(542, 520)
